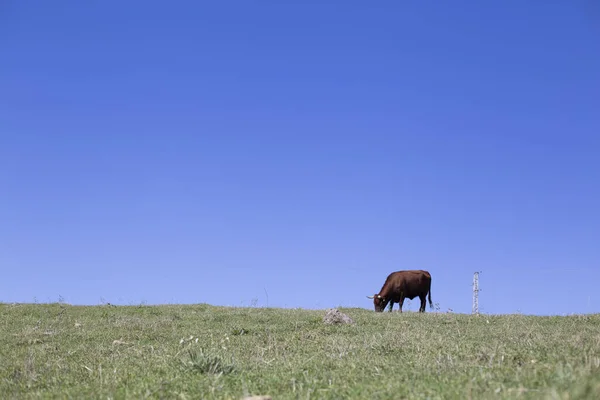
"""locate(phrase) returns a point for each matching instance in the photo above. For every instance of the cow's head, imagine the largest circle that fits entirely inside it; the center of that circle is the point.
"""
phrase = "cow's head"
(379, 302)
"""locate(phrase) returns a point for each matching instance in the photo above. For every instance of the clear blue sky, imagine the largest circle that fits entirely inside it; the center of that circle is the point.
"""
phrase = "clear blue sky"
(218, 152)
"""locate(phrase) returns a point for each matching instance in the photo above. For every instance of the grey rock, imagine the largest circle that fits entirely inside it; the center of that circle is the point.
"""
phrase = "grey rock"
(334, 316)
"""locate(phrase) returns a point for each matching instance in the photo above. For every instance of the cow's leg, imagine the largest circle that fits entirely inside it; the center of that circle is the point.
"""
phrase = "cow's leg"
(423, 302)
(401, 302)
(391, 305)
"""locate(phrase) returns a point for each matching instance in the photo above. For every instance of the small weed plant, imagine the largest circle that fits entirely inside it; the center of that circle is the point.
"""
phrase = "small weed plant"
(204, 362)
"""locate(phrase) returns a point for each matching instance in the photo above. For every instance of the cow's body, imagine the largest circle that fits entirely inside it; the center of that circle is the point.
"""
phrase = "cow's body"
(401, 285)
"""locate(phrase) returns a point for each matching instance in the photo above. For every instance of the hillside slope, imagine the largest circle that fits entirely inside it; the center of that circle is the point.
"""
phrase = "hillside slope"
(201, 351)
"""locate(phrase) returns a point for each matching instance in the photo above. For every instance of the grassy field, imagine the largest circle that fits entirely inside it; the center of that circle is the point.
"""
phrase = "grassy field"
(200, 351)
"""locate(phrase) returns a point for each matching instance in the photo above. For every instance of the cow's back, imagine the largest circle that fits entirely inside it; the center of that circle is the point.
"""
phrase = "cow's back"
(410, 282)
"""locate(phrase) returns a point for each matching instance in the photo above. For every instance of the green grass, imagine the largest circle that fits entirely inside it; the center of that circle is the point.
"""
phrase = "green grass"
(62, 351)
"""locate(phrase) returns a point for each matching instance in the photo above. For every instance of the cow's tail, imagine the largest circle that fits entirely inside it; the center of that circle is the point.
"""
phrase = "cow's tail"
(430, 303)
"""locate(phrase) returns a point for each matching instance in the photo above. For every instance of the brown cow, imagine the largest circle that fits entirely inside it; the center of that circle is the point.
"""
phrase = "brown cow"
(400, 285)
